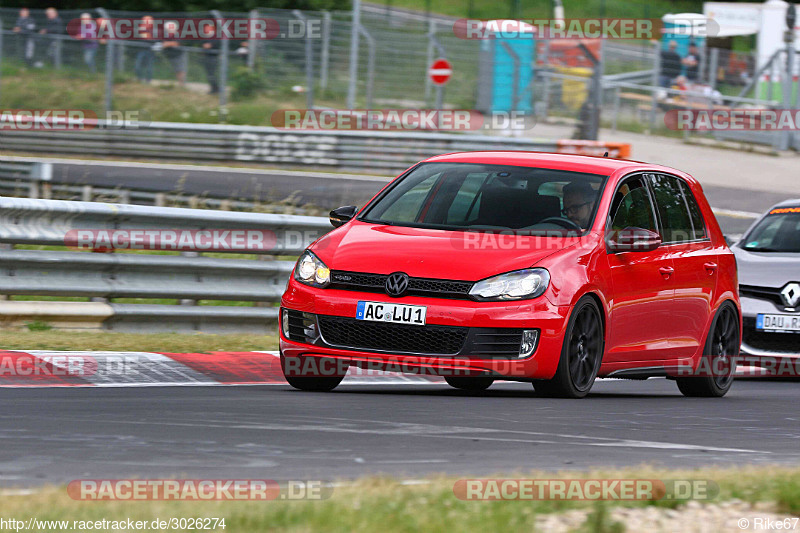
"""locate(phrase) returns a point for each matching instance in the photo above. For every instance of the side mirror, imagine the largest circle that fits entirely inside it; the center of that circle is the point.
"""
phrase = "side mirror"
(341, 215)
(632, 240)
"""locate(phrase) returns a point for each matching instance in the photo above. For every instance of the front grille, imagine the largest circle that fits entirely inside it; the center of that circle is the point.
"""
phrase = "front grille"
(479, 343)
(788, 343)
(762, 293)
(436, 288)
(387, 337)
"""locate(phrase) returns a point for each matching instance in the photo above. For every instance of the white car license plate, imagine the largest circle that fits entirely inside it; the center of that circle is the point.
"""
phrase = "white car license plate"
(395, 313)
(778, 323)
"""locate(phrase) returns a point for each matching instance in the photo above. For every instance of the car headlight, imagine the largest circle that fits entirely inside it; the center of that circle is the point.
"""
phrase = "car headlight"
(312, 271)
(518, 285)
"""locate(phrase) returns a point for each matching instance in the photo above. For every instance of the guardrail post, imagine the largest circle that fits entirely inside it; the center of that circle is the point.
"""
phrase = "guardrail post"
(86, 193)
(189, 301)
(616, 109)
(41, 174)
(353, 74)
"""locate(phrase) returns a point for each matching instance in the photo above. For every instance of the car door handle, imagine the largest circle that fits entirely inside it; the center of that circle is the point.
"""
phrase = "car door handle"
(711, 267)
(666, 271)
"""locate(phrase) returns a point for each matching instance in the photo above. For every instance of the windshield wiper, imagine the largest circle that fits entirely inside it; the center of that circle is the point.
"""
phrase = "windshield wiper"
(764, 249)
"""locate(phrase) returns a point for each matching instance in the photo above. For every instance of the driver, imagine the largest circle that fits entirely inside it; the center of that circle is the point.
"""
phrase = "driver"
(579, 203)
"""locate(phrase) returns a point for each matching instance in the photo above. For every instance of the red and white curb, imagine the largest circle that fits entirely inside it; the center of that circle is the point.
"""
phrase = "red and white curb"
(46, 368)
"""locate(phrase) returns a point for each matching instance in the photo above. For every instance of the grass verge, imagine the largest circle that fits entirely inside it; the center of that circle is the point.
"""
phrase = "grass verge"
(133, 342)
(383, 504)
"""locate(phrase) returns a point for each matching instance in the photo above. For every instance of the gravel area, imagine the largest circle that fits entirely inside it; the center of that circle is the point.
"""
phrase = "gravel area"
(693, 517)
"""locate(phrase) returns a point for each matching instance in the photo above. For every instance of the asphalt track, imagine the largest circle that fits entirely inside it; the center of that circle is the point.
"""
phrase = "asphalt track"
(54, 435)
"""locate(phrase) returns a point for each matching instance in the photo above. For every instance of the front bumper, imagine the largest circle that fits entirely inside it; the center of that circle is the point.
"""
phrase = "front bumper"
(538, 313)
(766, 344)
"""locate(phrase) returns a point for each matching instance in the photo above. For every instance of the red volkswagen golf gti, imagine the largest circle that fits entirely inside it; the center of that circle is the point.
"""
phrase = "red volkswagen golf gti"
(544, 268)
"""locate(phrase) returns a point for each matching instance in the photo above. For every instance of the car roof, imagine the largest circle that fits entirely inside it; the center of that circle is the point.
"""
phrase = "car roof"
(786, 203)
(577, 163)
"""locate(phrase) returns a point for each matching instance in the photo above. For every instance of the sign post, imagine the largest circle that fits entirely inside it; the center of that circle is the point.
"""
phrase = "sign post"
(439, 73)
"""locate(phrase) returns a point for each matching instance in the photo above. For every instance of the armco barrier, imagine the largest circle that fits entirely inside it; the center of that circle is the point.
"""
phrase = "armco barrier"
(104, 277)
(376, 151)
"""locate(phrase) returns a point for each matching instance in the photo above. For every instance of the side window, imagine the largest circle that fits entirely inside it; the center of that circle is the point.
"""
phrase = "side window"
(675, 220)
(631, 207)
(698, 223)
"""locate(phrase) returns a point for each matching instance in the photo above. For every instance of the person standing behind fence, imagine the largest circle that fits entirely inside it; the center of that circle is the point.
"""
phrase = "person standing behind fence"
(211, 58)
(172, 51)
(692, 63)
(53, 29)
(88, 34)
(670, 65)
(26, 28)
(146, 55)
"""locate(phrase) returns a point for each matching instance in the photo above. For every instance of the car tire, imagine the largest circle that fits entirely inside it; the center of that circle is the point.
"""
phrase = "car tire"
(310, 383)
(469, 384)
(581, 354)
(724, 336)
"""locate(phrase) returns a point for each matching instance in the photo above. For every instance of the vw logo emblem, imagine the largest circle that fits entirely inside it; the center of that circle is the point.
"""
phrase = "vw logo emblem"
(397, 284)
(791, 294)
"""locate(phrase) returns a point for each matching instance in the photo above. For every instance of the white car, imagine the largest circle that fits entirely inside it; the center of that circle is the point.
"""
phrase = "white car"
(768, 257)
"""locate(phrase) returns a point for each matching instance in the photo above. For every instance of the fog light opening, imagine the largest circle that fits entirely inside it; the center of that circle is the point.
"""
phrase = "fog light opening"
(530, 338)
(285, 322)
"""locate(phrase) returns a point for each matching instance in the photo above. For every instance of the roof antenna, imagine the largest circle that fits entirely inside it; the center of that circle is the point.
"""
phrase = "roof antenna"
(605, 154)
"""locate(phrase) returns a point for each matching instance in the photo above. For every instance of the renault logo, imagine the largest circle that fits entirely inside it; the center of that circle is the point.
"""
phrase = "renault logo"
(397, 284)
(791, 294)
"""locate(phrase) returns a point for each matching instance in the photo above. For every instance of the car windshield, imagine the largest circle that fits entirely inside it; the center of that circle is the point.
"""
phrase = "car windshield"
(468, 196)
(778, 232)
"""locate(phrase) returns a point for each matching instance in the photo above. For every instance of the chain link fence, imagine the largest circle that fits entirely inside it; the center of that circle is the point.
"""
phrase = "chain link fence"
(311, 55)
(311, 58)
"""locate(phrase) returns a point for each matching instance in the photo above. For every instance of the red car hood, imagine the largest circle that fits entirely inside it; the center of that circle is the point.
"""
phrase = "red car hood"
(430, 253)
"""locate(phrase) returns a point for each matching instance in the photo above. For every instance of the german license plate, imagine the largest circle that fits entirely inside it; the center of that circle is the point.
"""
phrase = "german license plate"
(790, 323)
(394, 313)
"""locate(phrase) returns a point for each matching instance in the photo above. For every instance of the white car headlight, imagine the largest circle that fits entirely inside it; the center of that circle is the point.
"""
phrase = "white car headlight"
(312, 271)
(518, 285)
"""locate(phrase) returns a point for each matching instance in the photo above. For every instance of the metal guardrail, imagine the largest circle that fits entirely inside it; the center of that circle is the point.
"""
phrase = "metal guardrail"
(46, 222)
(103, 277)
(346, 150)
(33, 175)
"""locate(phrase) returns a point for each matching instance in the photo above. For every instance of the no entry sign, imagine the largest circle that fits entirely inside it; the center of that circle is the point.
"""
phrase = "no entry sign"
(440, 71)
